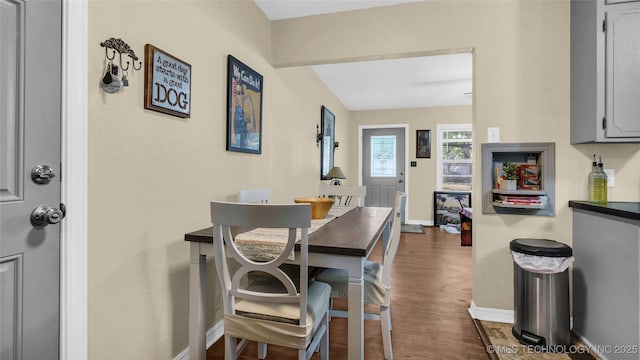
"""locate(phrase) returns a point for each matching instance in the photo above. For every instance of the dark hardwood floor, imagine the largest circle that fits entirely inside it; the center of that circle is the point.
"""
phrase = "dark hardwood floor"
(430, 297)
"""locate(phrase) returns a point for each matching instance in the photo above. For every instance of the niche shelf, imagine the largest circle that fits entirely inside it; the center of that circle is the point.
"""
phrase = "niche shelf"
(535, 192)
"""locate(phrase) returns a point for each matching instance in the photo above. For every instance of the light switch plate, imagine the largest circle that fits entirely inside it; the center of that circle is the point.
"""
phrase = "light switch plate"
(493, 134)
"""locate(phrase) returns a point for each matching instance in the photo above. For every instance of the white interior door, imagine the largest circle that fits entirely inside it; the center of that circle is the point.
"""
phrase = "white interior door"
(30, 108)
(383, 165)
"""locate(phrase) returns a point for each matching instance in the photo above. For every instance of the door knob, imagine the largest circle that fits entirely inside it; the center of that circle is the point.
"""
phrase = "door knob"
(45, 215)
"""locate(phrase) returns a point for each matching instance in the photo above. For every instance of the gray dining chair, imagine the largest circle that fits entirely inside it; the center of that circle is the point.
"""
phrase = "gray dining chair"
(260, 196)
(377, 280)
(282, 310)
(344, 194)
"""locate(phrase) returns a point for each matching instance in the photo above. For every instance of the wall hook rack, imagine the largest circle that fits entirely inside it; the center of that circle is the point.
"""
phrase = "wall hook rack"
(120, 47)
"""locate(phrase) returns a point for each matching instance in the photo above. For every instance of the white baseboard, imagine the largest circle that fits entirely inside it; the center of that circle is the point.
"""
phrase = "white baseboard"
(213, 334)
(590, 346)
(500, 315)
(490, 314)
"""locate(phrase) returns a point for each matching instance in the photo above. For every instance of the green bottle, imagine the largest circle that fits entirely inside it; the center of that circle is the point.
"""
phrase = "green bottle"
(592, 180)
(601, 183)
(597, 182)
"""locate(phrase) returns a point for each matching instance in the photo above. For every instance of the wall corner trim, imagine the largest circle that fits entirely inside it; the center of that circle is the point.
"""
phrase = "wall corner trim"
(490, 314)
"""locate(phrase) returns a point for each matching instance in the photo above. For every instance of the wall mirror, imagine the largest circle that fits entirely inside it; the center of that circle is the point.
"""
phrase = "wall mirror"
(327, 148)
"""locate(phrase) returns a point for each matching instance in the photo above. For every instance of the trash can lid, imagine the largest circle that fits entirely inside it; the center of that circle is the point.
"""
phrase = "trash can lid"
(541, 247)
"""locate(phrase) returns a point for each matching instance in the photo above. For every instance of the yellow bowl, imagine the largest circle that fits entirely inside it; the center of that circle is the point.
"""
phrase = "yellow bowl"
(319, 206)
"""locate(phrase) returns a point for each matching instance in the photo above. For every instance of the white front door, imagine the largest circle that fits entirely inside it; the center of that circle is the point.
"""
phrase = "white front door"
(383, 165)
(30, 108)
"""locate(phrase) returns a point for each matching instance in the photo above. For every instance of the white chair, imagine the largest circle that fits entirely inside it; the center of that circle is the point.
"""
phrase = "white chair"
(377, 281)
(344, 194)
(274, 311)
(260, 196)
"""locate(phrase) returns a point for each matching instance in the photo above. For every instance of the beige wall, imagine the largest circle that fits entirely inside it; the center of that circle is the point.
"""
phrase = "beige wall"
(422, 178)
(151, 175)
(521, 84)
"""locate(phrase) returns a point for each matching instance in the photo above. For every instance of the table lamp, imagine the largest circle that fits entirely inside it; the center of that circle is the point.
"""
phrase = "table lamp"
(334, 174)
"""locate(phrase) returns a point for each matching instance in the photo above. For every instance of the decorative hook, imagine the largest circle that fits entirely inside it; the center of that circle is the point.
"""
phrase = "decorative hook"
(106, 54)
(121, 66)
(134, 57)
(120, 47)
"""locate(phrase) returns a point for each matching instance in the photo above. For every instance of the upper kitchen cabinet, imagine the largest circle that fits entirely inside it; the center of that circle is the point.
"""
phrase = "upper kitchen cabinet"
(605, 71)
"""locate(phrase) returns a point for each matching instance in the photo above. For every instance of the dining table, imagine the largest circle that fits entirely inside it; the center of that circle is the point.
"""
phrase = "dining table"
(344, 242)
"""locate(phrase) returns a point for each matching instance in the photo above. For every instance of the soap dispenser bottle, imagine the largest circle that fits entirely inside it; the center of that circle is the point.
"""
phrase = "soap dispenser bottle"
(601, 182)
(592, 179)
(597, 182)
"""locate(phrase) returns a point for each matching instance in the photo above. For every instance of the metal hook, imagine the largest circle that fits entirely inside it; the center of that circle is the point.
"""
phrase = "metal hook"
(121, 47)
(106, 54)
(122, 67)
(133, 56)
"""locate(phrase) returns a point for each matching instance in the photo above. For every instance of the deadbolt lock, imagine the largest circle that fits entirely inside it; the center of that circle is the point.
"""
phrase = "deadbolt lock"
(42, 174)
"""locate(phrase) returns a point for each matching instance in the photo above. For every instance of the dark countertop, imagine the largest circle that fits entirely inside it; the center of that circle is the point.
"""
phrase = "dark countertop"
(627, 210)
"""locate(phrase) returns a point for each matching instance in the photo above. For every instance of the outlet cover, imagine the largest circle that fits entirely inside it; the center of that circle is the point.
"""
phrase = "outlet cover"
(611, 177)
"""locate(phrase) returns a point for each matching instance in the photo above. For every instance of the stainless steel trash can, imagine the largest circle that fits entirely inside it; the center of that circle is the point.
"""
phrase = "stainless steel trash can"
(541, 300)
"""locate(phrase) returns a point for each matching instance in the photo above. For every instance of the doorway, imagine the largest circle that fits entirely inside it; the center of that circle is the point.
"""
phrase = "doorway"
(382, 155)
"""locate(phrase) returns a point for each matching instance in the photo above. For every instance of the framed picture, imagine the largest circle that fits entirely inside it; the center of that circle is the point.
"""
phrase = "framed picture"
(327, 148)
(244, 108)
(447, 206)
(167, 83)
(423, 143)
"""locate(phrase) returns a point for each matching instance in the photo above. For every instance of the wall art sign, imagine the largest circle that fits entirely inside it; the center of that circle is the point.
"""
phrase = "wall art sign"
(244, 108)
(447, 206)
(327, 150)
(167, 83)
(423, 143)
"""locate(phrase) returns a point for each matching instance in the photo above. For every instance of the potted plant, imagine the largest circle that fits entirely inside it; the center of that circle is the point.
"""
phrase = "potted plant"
(510, 174)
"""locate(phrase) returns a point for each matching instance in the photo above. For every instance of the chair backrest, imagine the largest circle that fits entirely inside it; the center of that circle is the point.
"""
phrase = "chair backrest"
(394, 239)
(254, 196)
(344, 193)
(227, 217)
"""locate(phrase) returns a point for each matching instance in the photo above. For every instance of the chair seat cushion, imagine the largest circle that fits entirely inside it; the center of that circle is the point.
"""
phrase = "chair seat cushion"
(375, 292)
(277, 323)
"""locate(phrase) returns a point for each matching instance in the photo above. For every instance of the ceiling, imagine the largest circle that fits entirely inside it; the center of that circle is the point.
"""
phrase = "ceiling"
(287, 9)
(427, 81)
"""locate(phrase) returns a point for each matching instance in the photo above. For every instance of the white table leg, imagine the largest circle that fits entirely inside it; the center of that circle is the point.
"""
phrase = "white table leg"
(356, 312)
(197, 304)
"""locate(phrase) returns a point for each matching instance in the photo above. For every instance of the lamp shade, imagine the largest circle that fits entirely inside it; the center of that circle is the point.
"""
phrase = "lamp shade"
(336, 173)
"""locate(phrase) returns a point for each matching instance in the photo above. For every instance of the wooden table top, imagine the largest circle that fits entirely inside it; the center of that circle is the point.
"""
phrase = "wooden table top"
(353, 234)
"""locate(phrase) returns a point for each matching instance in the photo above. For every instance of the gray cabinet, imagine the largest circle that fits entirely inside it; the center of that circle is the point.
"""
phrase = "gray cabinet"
(605, 71)
(606, 274)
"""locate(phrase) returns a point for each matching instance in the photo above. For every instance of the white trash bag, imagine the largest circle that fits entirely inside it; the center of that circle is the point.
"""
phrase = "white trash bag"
(542, 264)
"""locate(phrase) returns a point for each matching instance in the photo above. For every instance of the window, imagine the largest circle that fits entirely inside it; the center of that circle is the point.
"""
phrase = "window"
(454, 157)
(383, 156)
